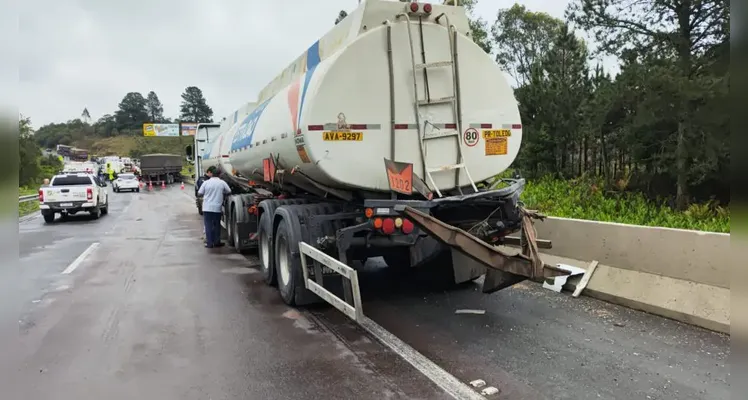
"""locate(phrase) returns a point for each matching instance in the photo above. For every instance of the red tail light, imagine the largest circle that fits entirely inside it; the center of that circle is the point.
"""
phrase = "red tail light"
(427, 8)
(413, 7)
(41, 196)
(89, 193)
(407, 226)
(388, 225)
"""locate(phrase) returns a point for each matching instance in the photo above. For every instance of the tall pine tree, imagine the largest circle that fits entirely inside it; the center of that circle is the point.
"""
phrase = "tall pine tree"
(194, 108)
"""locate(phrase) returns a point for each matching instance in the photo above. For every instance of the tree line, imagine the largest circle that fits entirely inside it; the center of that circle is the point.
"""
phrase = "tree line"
(132, 112)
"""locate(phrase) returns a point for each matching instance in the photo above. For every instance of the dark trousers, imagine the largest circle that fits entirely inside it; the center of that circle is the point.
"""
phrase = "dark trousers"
(212, 228)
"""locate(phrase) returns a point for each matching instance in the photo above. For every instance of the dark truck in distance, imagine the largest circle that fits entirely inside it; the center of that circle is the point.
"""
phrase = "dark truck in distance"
(157, 168)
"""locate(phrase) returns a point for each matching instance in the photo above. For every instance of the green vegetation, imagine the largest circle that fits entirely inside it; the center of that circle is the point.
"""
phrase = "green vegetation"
(586, 198)
(29, 206)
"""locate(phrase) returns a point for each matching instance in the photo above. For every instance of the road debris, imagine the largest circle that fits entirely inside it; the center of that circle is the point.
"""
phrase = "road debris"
(478, 383)
(560, 281)
(469, 311)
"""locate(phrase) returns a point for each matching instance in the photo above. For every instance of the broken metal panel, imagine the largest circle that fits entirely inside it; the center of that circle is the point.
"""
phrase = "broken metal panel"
(526, 265)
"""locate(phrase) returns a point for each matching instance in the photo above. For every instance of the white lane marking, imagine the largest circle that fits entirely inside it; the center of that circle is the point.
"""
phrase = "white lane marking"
(80, 258)
(446, 381)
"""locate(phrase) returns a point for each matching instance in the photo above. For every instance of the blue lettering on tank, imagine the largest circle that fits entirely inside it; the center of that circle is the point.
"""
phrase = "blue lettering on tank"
(246, 131)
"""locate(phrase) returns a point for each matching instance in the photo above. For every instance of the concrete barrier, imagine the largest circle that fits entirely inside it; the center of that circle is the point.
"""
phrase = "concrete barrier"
(676, 273)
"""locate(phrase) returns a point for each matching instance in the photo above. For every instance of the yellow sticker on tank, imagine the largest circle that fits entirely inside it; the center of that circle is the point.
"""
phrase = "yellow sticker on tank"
(343, 136)
(496, 133)
(496, 146)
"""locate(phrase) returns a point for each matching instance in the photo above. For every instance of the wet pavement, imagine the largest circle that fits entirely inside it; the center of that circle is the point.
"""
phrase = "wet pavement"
(150, 314)
(533, 343)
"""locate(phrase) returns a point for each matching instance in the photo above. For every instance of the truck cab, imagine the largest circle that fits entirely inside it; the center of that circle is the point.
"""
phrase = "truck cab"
(195, 154)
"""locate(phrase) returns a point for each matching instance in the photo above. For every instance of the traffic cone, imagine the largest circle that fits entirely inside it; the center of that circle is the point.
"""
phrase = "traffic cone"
(181, 186)
(150, 185)
(163, 184)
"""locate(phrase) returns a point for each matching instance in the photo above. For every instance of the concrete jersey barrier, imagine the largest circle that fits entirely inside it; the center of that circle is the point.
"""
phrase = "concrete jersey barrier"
(676, 273)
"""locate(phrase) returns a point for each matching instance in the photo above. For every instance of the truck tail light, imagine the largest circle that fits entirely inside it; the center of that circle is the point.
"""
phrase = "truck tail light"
(89, 193)
(388, 225)
(41, 196)
(413, 7)
(427, 8)
(407, 226)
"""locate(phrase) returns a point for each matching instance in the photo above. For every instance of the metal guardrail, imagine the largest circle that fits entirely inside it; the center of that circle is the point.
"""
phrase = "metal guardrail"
(31, 197)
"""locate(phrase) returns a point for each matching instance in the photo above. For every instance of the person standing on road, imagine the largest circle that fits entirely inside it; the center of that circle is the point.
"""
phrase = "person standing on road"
(213, 191)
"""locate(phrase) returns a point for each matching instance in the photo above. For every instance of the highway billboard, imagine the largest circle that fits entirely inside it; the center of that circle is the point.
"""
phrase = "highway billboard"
(188, 128)
(161, 130)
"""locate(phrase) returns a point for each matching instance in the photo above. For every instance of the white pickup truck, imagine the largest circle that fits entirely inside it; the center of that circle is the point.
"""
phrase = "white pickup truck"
(71, 193)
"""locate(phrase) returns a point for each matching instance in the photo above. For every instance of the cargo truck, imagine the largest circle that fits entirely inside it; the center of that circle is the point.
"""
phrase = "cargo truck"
(382, 139)
(158, 168)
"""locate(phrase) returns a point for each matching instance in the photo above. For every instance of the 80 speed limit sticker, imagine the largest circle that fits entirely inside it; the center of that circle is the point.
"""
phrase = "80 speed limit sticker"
(471, 137)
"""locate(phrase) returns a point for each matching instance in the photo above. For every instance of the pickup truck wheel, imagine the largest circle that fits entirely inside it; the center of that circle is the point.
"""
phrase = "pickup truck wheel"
(105, 209)
(96, 213)
(49, 217)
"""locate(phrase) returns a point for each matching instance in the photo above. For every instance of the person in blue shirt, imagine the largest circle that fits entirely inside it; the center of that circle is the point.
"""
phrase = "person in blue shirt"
(213, 192)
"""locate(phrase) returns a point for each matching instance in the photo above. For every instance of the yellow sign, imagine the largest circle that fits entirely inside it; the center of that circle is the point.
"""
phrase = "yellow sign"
(496, 133)
(343, 136)
(161, 130)
(496, 146)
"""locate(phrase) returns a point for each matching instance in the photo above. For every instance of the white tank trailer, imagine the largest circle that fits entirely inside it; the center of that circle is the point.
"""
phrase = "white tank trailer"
(382, 139)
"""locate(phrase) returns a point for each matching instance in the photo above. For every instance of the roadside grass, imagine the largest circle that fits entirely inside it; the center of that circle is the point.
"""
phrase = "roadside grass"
(589, 199)
(27, 207)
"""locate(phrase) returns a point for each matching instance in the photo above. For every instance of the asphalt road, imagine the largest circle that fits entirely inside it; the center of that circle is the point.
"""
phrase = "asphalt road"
(533, 343)
(151, 314)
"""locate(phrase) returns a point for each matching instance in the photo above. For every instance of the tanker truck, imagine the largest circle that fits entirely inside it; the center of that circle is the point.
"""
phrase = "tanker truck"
(382, 139)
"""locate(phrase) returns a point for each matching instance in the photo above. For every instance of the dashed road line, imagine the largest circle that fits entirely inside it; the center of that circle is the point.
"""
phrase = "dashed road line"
(80, 258)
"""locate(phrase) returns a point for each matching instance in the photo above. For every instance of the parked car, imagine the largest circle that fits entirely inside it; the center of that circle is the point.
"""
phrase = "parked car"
(126, 181)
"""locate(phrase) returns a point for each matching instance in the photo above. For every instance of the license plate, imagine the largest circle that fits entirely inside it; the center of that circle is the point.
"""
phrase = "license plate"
(496, 133)
(343, 136)
(66, 204)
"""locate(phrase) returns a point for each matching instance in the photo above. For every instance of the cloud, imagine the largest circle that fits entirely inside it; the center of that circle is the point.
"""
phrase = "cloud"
(90, 53)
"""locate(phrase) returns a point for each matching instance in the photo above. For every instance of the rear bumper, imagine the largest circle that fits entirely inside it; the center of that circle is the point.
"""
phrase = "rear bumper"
(74, 207)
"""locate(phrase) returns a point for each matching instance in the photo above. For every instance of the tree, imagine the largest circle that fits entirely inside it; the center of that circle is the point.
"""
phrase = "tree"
(29, 153)
(155, 108)
(194, 108)
(85, 115)
(521, 37)
(478, 29)
(105, 125)
(684, 32)
(132, 112)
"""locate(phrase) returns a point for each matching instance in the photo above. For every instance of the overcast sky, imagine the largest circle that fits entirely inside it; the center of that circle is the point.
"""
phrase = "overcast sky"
(90, 53)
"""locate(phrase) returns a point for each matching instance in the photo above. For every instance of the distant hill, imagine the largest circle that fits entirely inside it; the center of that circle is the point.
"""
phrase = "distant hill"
(133, 146)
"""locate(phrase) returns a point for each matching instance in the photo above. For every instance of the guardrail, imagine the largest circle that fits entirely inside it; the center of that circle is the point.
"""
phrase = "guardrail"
(31, 197)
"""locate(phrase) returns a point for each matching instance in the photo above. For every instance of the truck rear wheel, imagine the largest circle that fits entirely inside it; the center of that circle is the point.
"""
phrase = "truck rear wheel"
(265, 248)
(49, 217)
(231, 225)
(288, 263)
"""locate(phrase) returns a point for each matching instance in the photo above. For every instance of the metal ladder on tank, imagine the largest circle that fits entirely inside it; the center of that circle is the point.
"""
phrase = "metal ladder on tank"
(453, 100)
